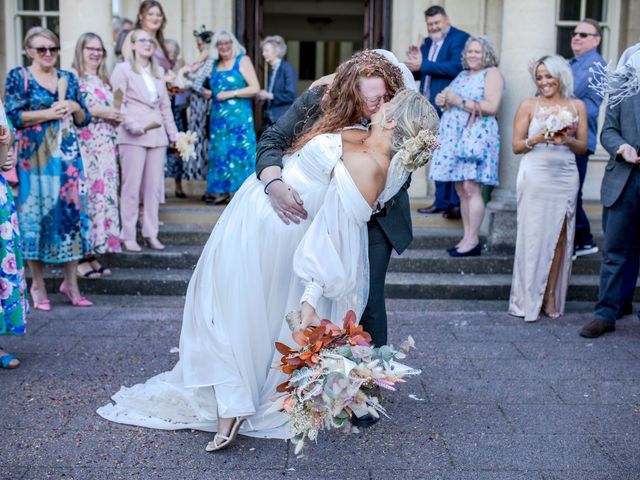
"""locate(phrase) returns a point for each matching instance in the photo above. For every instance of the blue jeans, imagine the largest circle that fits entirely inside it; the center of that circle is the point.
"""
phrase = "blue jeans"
(446, 196)
(583, 229)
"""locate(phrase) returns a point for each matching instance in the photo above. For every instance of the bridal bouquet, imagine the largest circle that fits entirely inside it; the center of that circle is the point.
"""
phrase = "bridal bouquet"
(556, 120)
(334, 374)
(185, 145)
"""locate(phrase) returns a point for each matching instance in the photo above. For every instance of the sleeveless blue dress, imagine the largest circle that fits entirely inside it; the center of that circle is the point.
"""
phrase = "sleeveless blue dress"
(232, 140)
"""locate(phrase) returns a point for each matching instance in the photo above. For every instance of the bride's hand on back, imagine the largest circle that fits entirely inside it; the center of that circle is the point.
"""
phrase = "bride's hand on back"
(287, 203)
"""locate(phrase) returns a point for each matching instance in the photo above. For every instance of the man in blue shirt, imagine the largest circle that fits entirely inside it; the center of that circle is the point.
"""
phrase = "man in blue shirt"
(437, 62)
(584, 43)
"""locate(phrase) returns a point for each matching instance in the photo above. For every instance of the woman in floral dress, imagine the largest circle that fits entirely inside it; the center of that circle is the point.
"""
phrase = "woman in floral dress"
(99, 152)
(470, 161)
(232, 144)
(53, 219)
(13, 299)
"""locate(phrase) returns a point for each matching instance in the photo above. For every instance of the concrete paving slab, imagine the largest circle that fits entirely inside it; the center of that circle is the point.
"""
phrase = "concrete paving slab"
(606, 392)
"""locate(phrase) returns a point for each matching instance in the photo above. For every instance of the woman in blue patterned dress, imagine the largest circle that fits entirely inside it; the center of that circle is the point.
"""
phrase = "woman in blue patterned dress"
(13, 299)
(470, 159)
(232, 143)
(53, 219)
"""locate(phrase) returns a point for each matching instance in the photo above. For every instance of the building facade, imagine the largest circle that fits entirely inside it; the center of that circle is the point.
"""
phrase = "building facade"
(322, 33)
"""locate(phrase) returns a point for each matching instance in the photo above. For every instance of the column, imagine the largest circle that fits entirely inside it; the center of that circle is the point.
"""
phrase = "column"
(528, 32)
(78, 17)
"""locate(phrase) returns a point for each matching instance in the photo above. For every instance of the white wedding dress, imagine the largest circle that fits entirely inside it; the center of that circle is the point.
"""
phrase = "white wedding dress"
(253, 270)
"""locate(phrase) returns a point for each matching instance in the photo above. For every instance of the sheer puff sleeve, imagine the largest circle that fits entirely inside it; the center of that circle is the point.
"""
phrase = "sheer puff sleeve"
(331, 260)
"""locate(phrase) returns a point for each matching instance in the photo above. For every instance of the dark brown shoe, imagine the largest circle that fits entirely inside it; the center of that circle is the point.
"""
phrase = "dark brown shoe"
(596, 327)
(452, 213)
(429, 210)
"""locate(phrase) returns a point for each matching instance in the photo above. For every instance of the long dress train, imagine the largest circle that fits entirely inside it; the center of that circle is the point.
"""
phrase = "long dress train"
(242, 288)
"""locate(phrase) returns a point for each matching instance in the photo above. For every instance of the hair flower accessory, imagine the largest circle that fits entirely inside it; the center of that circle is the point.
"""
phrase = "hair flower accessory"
(417, 151)
(621, 83)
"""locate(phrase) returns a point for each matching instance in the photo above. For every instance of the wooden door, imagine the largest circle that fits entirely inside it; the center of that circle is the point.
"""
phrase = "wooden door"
(377, 24)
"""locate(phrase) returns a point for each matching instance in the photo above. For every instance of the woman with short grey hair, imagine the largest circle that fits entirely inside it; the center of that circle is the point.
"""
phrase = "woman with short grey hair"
(281, 83)
(469, 137)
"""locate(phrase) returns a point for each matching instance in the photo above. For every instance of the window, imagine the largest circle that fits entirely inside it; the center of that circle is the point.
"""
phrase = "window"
(33, 13)
(570, 12)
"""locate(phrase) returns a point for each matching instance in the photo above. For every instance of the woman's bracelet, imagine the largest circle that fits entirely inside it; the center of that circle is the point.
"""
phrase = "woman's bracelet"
(266, 192)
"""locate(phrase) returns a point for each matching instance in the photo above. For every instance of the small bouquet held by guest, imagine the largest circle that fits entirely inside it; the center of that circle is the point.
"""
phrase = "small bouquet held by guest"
(334, 374)
(557, 120)
(185, 145)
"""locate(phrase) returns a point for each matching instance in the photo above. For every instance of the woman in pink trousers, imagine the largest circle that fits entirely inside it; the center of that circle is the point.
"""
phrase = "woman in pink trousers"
(143, 138)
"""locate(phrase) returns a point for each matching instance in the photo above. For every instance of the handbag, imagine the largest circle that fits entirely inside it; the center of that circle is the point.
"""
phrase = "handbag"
(11, 176)
(469, 146)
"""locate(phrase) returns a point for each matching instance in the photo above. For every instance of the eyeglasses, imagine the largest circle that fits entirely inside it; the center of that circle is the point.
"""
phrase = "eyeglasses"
(95, 50)
(226, 42)
(42, 51)
(373, 101)
(585, 34)
(145, 40)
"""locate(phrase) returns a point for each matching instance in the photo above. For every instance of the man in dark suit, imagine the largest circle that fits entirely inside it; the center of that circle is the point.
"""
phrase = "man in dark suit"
(620, 195)
(391, 227)
(437, 62)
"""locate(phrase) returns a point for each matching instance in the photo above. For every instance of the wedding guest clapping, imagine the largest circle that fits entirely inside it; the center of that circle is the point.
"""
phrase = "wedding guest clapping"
(549, 129)
(232, 141)
(469, 137)
(99, 152)
(282, 81)
(45, 105)
(143, 138)
(14, 306)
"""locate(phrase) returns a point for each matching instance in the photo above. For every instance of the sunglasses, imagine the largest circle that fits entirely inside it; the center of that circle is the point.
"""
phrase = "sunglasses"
(585, 34)
(46, 50)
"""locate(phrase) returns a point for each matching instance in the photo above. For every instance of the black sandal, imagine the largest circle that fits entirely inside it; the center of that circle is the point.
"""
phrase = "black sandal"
(90, 274)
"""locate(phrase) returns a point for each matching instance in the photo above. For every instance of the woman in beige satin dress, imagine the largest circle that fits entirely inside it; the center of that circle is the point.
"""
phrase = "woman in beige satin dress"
(547, 188)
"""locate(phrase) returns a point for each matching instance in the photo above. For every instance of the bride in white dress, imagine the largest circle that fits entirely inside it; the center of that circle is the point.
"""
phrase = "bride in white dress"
(254, 269)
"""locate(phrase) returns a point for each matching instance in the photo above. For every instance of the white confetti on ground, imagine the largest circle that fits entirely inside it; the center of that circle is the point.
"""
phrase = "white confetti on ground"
(417, 399)
(174, 350)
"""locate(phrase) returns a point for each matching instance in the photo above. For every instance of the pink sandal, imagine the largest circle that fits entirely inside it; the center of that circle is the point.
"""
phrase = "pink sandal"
(78, 302)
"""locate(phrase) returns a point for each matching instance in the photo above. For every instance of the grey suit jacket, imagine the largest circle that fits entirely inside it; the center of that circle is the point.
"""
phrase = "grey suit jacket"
(621, 125)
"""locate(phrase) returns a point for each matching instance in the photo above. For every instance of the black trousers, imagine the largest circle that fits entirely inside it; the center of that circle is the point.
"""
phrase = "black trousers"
(620, 223)
(374, 318)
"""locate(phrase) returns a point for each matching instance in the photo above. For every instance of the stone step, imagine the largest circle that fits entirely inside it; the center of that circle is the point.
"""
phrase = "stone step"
(412, 260)
(169, 281)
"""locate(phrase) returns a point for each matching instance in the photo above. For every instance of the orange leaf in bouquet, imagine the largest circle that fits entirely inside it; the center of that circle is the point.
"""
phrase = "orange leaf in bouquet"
(283, 349)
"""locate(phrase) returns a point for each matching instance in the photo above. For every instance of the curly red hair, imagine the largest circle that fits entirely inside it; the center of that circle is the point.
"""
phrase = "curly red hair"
(342, 104)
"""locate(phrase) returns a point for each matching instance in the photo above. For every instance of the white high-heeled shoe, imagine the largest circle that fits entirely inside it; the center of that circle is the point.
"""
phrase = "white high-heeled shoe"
(215, 444)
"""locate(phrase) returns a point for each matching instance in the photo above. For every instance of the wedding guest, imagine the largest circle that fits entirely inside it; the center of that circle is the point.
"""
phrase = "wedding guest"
(437, 62)
(469, 146)
(200, 105)
(584, 43)
(121, 28)
(14, 305)
(179, 101)
(152, 20)
(143, 138)
(99, 153)
(53, 219)
(547, 186)
(232, 140)
(282, 82)
(620, 191)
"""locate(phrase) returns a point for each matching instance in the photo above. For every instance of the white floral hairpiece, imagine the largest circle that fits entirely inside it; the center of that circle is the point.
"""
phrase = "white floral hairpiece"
(621, 83)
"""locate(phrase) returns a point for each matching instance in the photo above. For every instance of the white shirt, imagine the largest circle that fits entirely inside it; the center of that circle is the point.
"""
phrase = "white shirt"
(150, 83)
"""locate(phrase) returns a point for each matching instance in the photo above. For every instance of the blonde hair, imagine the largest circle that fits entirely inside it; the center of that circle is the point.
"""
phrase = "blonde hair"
(226, 35)
(132, 56)
(558, 68)
(39, 32)
(78, 57)
(417, 124)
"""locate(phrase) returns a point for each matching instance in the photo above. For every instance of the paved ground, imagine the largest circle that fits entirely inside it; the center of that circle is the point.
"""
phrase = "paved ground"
(498, 399)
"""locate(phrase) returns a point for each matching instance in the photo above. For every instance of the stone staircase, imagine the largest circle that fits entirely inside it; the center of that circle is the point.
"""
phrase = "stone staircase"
(424, 271)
